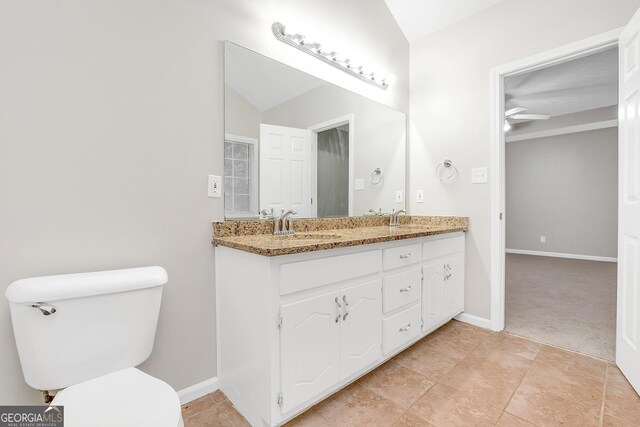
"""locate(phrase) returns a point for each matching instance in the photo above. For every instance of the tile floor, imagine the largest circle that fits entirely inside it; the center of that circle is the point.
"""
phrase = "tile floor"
(461, 375)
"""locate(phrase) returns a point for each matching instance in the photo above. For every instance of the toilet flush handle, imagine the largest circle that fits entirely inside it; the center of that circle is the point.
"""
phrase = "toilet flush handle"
(45, 308)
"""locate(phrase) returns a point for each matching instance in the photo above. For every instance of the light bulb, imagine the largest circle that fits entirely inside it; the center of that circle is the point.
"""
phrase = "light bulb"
(507, 126)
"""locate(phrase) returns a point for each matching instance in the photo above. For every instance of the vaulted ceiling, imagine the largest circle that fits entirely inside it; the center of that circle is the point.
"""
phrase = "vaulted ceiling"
(419, 18)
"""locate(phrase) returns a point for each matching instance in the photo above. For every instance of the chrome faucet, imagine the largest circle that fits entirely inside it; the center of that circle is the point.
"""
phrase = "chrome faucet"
(393, 218)
(376, 212)
(283, 224)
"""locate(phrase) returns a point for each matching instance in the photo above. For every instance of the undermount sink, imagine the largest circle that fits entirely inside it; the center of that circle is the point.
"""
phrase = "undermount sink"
(307, 236)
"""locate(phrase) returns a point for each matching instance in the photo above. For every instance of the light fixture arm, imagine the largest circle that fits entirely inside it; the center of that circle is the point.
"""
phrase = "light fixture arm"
(313, 49)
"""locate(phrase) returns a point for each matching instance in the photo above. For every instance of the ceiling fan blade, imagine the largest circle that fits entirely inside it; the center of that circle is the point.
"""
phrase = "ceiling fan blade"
(530, 116)
(513, 111)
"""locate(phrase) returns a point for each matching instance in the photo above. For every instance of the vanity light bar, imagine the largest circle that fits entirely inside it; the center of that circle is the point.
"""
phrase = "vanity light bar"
(330, 57)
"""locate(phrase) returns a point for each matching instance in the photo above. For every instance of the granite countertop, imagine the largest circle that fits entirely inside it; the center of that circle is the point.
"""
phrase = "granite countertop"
(320, 234)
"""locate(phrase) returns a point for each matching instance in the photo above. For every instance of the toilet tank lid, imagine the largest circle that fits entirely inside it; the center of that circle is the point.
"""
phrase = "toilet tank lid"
(67, 286)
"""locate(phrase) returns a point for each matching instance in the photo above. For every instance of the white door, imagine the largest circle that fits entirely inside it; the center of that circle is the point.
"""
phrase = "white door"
(285, 169)
(309, 348)
(361, 327)
(434, 306)
(454, 285)
(628, 325)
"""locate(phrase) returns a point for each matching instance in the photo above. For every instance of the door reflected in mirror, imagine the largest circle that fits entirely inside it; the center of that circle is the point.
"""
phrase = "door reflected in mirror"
(293, 141)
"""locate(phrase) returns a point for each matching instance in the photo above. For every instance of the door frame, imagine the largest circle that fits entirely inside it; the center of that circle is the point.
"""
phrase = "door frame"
(348, 119)
(542, 60)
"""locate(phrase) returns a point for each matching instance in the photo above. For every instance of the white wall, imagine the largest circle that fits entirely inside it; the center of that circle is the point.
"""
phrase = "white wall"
(450, 116)
(241, 118)
(111, 117)
(564, 187)
(379, 139)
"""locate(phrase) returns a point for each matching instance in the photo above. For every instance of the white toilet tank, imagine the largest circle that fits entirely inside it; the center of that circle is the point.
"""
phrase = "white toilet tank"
(75, 327)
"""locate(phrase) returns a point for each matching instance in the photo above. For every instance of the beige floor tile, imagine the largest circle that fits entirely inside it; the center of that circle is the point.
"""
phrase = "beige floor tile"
(309, 418)
(237, 420)
(455, 341)
(487, 346)
(549, 396)
(508, 420)
(219, 397)
(572, 363)
(621, 400)
(520, 346)
(196, 406)
(357, 406)
(397, 383)
(444, 406)
(492, 386)
(213, 416)
(426, 361)
(410, 420)
(609, 421)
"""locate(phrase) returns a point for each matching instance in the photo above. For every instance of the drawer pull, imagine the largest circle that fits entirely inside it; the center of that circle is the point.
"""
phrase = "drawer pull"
(339, 307)
(346, 307)
(407, 289)
(405, 329)
(407, 256)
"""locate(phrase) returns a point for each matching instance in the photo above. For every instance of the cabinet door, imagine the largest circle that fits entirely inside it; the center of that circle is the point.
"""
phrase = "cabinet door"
(309, 348)
(454, 284)
(434, 303)
(361, 327)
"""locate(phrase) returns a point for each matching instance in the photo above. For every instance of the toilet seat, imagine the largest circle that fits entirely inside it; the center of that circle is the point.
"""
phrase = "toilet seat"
(126, 398)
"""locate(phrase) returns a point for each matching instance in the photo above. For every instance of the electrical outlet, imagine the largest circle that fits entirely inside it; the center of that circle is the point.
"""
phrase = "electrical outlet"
(399, 196)
(479, 175)
(358, 184)
(420, 196)
(543, 239)
(215, 186)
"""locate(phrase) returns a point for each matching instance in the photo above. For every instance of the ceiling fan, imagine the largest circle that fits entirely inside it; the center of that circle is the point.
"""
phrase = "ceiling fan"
(517, 114)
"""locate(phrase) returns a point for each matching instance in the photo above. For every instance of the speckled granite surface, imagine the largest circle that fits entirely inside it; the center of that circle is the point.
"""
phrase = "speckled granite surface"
(319, 234)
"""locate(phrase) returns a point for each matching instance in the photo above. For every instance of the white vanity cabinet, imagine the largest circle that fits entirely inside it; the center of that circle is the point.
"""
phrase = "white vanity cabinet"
(294, 329)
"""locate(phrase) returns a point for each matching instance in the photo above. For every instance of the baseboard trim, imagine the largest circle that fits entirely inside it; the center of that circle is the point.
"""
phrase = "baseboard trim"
(474, 320)
(196, 391)
(561, 255)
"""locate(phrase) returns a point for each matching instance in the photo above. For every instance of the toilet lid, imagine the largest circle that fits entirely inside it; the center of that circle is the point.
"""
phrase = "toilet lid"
(126, 398)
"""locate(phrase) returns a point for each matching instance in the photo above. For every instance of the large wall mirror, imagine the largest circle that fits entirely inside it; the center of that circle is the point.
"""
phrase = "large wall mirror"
(294, 141)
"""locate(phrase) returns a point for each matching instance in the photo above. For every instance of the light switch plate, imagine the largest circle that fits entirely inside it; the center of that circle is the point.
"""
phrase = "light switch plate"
(358, 184)
(420, 196)
(543, 239)
(399, 196)
(479, 175)
(215, 186)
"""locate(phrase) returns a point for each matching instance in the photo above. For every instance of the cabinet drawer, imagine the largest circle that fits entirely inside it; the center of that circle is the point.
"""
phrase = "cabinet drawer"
(441, 247)
(401, 289)
(401, 328)
(302, 275)
(401, 256)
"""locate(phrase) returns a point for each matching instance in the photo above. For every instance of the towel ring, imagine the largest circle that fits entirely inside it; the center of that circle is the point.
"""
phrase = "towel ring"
(376, 176)
(446, 164)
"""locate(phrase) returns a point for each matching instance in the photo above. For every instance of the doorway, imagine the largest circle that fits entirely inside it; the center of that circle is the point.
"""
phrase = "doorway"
(332, 172)
(561, 204)
(499, 76)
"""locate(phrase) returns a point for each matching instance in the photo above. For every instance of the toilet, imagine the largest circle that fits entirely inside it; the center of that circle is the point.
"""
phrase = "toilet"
(83, 334)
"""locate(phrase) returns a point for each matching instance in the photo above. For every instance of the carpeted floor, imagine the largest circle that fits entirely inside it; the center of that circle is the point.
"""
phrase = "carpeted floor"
(563, 302)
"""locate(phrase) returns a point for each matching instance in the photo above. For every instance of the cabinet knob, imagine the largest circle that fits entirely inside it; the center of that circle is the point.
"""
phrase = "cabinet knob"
(346, 307)
(406, 328)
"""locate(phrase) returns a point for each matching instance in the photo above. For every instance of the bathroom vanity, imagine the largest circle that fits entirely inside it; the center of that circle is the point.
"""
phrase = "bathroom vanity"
(301, 316)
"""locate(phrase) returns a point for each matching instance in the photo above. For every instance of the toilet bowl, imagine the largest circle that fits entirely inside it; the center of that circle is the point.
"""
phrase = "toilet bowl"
(83, 334)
